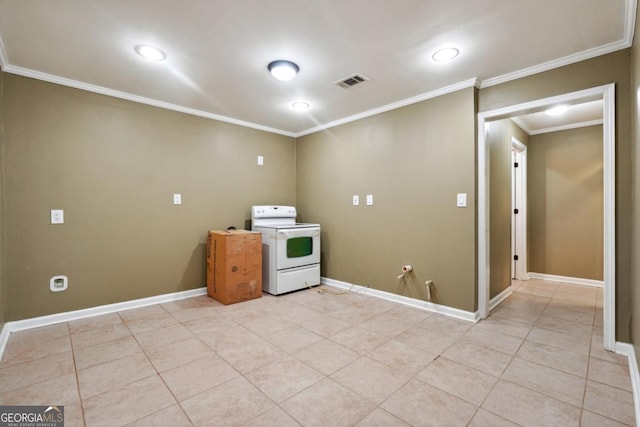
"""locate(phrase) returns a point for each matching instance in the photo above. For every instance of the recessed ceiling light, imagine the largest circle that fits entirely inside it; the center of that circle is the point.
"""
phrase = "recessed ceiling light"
(556, 111)
(300, 106)
(446, 54)
(151, 53)
(283, 70)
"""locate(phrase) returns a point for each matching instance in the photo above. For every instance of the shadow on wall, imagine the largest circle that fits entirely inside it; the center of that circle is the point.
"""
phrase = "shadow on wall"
(195, 272)
(324, 256)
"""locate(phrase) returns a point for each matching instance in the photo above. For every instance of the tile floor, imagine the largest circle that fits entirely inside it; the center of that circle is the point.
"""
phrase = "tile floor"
(325, 359)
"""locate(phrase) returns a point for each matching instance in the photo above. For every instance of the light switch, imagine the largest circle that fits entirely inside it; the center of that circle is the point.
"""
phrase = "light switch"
(369, 199)
(57, 216)
(177, 199)
(356, 200)
(462, 200)
(260, 160)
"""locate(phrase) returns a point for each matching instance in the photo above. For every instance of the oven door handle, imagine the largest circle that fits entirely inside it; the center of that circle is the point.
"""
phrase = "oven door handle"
(298, 233)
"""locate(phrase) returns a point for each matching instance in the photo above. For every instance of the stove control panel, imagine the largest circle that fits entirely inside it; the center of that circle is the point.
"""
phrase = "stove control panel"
(273, 212)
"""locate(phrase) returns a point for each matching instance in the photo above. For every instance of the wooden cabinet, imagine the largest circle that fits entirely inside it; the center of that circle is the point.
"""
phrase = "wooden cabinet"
(234, 265)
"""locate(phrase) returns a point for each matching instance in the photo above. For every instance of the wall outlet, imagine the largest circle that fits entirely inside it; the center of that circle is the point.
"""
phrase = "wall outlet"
(57, 216)
(260, 160)
(177, 199)
(356, 200)
(369, 199)
(58, 283)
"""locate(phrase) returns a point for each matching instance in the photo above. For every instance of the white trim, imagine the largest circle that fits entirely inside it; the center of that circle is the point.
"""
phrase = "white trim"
(567, 127)
(393, 106)
(4, 338)
(495, 301)
(565, 279)
(526, 129)
(630, 23)
(140, 99)
(607, 93)
(521, 124)
(627, 41)
(199, 113)
(484, 278)
(628, 350)
(556, 63)
(591, 94)
(412, 302)
(4, 62)
(68, 316)
(609, 174)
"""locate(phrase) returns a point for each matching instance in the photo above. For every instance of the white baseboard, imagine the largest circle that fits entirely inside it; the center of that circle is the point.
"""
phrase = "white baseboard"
(68, 316)
(574, 280)
(634, 373)
(412, 302)
(495, 301)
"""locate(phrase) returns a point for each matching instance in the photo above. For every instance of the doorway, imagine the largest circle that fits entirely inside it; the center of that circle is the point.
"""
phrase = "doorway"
(518, 210)
(607, 95)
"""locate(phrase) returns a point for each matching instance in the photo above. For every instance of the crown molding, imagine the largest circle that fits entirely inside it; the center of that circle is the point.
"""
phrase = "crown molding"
(25, 72)
(630, 23)
(51, 78)
(567, 127)
(556, 63)
(521, 124)
(526, 129)
(480, 84)
(393, 106)
(627, 41)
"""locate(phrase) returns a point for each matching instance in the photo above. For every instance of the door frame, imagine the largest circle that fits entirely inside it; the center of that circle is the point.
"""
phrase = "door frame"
(607, 94)
(519, 222)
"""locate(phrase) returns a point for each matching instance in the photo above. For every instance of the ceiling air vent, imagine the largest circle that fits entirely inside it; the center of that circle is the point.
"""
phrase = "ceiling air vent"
(351, 81)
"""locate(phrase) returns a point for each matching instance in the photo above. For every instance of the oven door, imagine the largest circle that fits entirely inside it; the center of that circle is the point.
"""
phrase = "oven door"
(297, 247)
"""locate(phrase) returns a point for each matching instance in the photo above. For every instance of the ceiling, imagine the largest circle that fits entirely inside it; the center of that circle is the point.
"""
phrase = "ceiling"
(218, 51)
(577, 115)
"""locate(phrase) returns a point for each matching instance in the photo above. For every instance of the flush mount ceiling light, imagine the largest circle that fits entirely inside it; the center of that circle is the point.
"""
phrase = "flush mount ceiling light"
(556, 111)
(151, 53)
(283, 70)
(300, 106)
(446, 54)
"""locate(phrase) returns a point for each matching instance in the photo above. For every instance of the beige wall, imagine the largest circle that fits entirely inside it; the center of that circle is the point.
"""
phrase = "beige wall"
(413, 160)
(565, 188)
(635, 232)
(113, 166)
(611, 68)
(499, 143)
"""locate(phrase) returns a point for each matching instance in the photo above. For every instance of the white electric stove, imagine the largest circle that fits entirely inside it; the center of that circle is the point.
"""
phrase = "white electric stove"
(290, 250)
